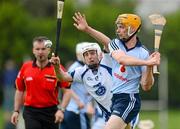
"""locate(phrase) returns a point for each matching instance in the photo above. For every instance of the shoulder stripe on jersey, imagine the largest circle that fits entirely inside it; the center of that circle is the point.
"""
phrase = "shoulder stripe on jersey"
(114, 45)
(84, 73)
(145, 48)
(108, 68)
(72, 74)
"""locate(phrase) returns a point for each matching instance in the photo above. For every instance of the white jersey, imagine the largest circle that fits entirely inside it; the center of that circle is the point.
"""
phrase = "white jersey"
(97, 83)
(80, 90)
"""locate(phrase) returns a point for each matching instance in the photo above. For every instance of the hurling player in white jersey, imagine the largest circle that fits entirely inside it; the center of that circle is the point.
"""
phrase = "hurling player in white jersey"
(76, 113)
(131, 66)
(95, 75)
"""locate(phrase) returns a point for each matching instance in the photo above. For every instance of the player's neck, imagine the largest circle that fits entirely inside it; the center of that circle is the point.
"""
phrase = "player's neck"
(132, 42)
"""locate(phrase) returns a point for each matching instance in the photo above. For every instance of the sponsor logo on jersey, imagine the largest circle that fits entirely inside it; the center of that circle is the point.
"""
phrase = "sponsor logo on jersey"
(89, 79)
(120, 77)
(50, 80)
(29, 79)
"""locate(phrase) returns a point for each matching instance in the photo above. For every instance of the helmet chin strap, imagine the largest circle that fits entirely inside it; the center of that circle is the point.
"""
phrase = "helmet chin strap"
(130, 37)
(93, 66)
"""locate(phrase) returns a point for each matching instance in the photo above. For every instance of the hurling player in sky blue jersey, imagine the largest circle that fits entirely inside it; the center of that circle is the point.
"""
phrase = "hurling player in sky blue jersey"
(131, 66)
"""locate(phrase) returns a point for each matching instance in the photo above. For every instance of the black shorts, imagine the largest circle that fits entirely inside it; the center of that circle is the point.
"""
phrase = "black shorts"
(40, 118)
(126, 106)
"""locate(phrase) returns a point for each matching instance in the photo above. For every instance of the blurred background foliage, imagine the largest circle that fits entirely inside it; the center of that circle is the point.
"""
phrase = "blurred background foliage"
(22, 20)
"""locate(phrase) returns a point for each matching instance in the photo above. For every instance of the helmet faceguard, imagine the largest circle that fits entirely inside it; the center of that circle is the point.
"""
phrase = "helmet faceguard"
(132, 24)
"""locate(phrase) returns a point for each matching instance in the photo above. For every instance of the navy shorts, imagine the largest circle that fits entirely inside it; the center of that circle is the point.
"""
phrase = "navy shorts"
(75, 121)
(126, 106)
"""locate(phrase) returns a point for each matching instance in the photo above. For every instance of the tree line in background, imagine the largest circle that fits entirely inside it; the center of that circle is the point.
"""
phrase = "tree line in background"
(21, 21)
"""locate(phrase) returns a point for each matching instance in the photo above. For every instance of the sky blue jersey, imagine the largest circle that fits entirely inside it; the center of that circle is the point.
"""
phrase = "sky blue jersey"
(126, 78)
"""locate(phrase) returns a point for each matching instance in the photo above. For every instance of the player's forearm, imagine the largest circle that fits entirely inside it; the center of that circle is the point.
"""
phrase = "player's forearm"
(61, 75)
(18, 100)
(100, 37)
(128, 60)
(124, 59)
(147, 79)
(75, 97)
(66, 97)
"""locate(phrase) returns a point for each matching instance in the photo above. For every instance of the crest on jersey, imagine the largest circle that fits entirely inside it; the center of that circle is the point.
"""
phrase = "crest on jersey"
(101, 90)
(122, 68)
